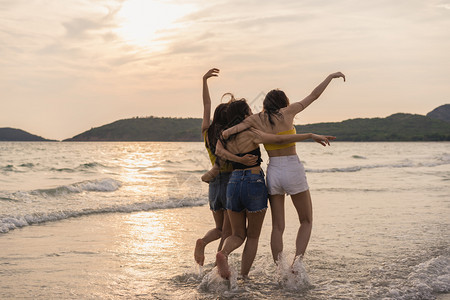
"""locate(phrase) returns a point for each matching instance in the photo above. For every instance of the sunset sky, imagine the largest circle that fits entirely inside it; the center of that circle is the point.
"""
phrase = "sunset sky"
(67, 66)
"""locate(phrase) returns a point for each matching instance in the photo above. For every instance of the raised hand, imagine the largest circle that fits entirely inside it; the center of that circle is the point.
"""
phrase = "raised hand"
(323, 139)
(337, 75)
(214, 72)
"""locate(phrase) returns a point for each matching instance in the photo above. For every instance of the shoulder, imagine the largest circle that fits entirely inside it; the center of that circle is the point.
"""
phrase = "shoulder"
(291, 110)
(260, 121)
(244, 140)
(247, 134)
(252, 120)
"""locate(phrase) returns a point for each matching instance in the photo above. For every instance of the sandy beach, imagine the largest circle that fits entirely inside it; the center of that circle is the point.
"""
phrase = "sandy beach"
(149, 255)
(109, 255)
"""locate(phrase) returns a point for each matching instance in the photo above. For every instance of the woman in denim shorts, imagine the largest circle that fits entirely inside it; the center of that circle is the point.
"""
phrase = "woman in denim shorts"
(285, 172)
(246, 191)
(218, 185)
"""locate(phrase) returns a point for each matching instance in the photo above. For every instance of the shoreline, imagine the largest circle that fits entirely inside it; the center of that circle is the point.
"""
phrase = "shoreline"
(149, 254)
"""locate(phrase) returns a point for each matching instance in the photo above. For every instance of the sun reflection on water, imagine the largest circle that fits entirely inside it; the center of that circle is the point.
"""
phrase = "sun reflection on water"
(150, 239)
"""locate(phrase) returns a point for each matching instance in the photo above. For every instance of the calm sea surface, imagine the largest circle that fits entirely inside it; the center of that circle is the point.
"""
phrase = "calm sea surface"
(381, 221)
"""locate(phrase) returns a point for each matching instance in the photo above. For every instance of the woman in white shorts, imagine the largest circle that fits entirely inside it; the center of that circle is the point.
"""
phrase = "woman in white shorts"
(285, 172)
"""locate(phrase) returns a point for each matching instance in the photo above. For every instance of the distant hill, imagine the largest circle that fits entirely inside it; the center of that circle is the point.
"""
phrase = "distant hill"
(397, 127)
(441, 113)
(12, 134)
(144, 129)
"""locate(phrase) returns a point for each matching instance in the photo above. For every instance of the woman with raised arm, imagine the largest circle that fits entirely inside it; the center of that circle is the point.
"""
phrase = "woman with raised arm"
(217, 185)
(246, 190)
(285, 172)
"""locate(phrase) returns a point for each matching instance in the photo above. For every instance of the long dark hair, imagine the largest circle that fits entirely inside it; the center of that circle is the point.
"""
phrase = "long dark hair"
(217, 125)
(273, 102)
(237, 111)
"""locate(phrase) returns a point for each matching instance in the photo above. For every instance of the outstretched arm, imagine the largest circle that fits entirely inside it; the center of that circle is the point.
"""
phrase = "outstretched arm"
(248, 159)
(262, 137)
(207, 99)
(297, 107)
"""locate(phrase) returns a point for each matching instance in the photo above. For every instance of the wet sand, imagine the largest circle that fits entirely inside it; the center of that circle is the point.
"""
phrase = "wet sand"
(149, 255)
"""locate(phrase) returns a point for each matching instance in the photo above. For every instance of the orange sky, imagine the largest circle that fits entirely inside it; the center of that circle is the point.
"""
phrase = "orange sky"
(67, 66)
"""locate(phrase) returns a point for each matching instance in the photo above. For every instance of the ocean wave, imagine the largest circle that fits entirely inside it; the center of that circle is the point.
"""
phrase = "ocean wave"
(351, 190)
(425, 280)
(98, 185)
(8, 223)
(68, 170)
(8, 168)
(358, 168)
(27, 165)
(81, 167)
(7, 199)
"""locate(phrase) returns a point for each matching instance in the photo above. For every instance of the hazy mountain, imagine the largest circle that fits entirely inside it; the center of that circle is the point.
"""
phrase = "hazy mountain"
(12, 134)
(144, 129)
(397, 127)
(441, 113)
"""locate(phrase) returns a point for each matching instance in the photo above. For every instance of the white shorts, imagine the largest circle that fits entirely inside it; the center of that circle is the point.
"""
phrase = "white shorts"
(286, 175)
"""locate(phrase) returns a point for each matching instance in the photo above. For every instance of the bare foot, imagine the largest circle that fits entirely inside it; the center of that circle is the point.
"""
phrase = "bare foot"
(206, 177)
(296, 260)
(211, 174)
(199, 252)
(222, 265)
(245, 277)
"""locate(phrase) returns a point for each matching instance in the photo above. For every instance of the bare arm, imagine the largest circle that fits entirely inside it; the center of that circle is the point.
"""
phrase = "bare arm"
(297, 107)
(237, 128)
(207, 99)
(269, 138)
(247, 159)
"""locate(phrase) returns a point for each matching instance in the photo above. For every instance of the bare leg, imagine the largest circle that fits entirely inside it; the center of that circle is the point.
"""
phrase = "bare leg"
(232, 242)
(303, 205)
(278, 224)
(212, 235)
(226, 229)
(255, 222)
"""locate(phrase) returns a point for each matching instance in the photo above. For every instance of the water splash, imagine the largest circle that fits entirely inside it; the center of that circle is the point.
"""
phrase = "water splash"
(213, 282)
(292, 277)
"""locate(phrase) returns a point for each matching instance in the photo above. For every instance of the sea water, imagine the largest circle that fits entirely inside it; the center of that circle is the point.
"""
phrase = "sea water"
(381, 222)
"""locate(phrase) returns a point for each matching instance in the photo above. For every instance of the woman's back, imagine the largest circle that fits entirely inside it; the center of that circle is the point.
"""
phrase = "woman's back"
(243, 142)
(283, 124)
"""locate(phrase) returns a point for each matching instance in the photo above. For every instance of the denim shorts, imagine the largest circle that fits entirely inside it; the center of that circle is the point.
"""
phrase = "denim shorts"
(218, 192)
(246, 191)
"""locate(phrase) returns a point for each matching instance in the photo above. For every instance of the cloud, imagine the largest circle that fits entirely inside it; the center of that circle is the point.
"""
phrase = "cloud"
(70, 54)
(80, 27)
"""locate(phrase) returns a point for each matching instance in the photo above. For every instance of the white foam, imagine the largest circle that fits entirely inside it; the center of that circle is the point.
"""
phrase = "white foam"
(405, 164)
(434, 273)
(292, 276)
(8, 223)
(213, 282)
(425, 280)
(97, 185)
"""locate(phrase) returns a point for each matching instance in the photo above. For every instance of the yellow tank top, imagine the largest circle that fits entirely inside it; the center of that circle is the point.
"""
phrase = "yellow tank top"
(281, 146)
(224, 168)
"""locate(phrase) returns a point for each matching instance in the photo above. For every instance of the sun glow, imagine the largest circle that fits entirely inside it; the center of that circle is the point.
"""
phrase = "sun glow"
(143, 21)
